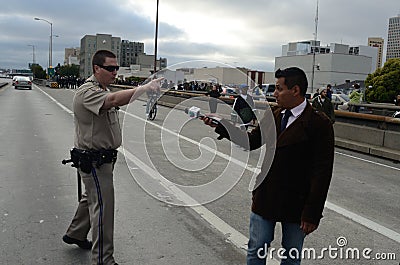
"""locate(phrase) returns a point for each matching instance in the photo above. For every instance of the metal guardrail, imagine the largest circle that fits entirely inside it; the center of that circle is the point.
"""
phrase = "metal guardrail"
(382, 109)
(372, 134)
(371, 111)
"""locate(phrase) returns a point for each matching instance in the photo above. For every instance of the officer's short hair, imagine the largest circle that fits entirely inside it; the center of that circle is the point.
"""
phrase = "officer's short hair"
(294, 76)
(100, 57)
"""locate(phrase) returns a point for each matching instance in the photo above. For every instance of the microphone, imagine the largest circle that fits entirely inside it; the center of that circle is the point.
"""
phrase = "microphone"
(194, 112)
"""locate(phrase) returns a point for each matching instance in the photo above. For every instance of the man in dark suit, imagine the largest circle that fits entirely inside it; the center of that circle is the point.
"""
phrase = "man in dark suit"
(244, 105)
(324, 104)
(293, 188)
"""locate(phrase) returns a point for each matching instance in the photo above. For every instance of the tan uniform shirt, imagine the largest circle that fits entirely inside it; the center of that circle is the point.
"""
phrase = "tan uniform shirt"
(95, 128)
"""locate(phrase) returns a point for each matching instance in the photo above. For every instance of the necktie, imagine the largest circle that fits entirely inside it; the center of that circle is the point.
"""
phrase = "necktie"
(285, 119)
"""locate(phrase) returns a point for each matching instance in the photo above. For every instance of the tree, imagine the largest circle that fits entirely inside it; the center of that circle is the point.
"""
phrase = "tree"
(384, 84)
(38, 71)
(68, 70)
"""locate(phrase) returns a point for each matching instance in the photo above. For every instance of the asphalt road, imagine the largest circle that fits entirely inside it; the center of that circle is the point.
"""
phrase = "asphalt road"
(163, 165)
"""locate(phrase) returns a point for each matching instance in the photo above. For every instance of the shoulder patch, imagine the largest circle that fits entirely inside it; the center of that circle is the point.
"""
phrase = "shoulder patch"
(94, 87)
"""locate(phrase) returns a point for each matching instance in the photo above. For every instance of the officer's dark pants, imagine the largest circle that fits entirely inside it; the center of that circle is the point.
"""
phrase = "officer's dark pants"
(213, 103)
(98, 200)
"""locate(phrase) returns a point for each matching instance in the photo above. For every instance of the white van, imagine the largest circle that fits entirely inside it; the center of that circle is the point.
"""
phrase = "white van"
(268, 89)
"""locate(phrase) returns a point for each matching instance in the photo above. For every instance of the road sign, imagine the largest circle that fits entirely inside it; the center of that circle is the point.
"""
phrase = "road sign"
(50, 71)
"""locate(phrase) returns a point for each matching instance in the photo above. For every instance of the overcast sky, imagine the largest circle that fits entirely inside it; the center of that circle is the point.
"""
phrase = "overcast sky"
(234, 32)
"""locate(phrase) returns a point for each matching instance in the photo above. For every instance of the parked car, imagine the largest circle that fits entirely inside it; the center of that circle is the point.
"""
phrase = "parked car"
(267, 89)
(13, 80)
(341, 101)
(263, 92)
(22, 81)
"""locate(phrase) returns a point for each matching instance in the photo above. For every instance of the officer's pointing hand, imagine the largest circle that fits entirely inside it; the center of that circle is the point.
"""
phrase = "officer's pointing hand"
(154, 85)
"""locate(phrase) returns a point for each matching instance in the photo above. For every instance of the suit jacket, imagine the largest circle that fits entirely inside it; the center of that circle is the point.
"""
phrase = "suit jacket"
(295, 185)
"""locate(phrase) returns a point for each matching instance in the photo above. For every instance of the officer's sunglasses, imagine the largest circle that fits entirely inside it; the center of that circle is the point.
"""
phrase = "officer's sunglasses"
(110, 68)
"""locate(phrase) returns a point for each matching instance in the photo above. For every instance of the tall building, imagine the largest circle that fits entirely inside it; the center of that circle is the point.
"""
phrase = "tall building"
(378, 43)
(393, 40)
(334, 64)
(71, 56)
(92, 43)
(130, 51)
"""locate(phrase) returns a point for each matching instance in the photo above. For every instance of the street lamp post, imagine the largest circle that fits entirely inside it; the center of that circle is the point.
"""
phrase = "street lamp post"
(155, 41)
(33, 53)
(313, 51)
(51, 41)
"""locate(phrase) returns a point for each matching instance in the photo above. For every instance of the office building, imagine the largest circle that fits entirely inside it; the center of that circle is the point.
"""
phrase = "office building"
(130, 51)
(332, 64)
(130, 55)
(71, 56)
(393, 40)
(147, 61)
(378, 43)
(92, 43)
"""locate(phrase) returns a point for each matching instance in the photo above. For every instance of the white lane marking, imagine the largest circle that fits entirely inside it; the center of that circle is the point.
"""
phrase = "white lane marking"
(365, 222)
(368, 161)
(333, 207)
(232, 235)
(355, 217)
(220, 154)
(55, 101)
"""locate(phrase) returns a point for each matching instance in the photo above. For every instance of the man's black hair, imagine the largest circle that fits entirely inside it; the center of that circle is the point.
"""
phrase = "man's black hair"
(100, 57)
(294, 76)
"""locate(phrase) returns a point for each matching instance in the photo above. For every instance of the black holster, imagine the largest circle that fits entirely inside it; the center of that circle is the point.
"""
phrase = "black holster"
(84, 159)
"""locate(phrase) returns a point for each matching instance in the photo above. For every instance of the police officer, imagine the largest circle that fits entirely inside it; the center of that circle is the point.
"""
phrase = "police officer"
(97, 135)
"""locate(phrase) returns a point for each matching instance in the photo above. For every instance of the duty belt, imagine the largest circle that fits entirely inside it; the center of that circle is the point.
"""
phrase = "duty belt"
(84, 159)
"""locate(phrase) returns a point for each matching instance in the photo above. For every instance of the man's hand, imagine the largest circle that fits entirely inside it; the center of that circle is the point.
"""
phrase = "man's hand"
(154, 85)
(210, 119)
(308, 227)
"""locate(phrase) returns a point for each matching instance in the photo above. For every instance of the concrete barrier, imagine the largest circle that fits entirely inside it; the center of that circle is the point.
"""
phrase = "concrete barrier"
(391, 140)
(377, 142)
(359, 133)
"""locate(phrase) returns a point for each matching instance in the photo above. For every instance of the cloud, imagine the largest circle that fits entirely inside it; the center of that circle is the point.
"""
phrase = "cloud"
(250, 33)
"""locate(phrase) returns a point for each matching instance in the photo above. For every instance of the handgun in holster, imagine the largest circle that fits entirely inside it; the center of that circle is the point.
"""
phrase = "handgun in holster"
(76, 160)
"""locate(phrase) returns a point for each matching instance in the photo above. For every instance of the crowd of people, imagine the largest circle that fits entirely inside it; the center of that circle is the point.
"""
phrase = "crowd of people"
(70, 82)
(197, 86)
